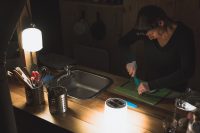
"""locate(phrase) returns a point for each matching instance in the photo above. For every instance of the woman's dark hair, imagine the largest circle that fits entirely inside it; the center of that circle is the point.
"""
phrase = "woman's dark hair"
(149, 16)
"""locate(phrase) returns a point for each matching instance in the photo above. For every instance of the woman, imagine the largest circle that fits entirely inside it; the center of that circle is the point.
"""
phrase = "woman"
(168, 51)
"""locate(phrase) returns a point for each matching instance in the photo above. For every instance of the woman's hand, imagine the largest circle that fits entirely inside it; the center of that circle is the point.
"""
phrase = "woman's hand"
(131, 68)
(143, 87)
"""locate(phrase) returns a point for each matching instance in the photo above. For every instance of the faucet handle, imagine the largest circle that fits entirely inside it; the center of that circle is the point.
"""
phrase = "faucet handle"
(67, 68)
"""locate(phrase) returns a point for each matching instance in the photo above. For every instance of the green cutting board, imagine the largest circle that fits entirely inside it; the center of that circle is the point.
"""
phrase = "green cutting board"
(130, 90)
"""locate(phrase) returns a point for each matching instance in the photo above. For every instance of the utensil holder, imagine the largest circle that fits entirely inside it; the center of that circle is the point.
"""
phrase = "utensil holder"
(35, 95)
(57, 98)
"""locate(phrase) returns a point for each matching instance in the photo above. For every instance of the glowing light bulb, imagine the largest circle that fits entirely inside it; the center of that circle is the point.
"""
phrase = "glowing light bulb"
(32, 39)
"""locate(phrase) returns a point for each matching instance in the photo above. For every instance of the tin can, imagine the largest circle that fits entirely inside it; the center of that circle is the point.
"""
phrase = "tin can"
(57, 98)
(35, 95)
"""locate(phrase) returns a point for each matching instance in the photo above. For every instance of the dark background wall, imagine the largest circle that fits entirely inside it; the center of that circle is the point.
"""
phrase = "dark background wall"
(46, 16)
(56, 19)
(27, 123)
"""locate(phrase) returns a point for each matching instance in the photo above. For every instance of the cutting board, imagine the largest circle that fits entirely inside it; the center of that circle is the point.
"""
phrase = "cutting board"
(130, 90)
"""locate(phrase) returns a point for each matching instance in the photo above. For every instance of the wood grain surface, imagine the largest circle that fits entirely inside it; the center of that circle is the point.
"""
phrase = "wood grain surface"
(87, 116)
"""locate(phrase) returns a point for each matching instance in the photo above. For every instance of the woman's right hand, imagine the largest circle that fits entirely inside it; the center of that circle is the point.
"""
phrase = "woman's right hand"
(131, 68)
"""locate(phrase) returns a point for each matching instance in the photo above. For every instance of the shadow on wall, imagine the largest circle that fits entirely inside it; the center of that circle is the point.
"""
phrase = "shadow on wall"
(92, 57)
(27, 123)
(194, 82)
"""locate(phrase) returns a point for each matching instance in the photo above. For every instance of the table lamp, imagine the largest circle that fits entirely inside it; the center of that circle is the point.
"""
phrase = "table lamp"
(31, 43)
(115, 115)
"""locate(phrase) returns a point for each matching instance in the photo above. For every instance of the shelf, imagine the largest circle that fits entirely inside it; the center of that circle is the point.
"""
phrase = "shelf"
(91, 3)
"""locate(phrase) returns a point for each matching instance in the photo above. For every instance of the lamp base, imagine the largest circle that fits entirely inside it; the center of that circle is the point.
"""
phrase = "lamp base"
(30, 60)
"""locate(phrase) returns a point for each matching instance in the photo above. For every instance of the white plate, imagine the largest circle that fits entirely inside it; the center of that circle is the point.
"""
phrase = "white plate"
(187, 107)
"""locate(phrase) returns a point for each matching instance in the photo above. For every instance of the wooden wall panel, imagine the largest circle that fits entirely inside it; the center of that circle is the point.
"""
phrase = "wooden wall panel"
(168, 6)
(120, 19)
(185, 10)
(130, 11)
(189, 13)
(70, 15)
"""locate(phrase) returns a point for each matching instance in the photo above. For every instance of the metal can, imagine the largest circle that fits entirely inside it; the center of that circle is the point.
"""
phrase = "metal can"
(57, 98)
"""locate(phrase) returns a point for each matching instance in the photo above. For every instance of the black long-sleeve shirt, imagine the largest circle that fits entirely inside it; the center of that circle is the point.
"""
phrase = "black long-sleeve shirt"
(170, 66)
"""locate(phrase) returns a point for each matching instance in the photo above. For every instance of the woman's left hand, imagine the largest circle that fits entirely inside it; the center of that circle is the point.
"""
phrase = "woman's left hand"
(143, 87)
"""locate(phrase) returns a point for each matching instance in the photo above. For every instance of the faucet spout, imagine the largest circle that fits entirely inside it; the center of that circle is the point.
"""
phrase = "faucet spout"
(67, 68)
(68, 74)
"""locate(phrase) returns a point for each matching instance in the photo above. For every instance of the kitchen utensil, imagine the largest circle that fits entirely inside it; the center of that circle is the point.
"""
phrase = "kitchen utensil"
(24, 69)
(137, 82)
(22, 73)
(22, 77)
(81, 27)
(98, 28)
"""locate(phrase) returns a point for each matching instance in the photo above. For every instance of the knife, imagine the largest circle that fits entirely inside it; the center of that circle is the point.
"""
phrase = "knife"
(136, 81)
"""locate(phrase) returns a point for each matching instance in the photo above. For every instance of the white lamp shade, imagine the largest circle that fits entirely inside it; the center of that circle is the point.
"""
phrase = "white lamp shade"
(115, 116)
(32, 39)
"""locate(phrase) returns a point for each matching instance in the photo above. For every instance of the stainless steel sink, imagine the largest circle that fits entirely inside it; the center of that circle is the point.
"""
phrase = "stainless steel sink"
(82, 84)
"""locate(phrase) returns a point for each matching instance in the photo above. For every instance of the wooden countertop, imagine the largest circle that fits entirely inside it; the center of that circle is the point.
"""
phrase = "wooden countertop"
(87, 116)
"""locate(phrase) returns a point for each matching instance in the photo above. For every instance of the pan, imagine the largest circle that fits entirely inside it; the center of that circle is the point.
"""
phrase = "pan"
(98, 28)
(81, 26)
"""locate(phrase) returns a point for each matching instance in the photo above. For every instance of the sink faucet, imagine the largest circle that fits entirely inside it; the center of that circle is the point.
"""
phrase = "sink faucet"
(67, 68)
